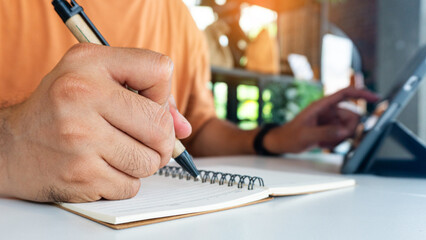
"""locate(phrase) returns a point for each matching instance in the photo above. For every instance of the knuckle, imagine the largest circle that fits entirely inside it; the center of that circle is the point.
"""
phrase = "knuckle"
(157, 116)
(150, 163)
(70, 87)
(164, 64)
(163, 130)
(167, 65)
(131, 188)
(152, 167)
(135, 104)
(79, 51)
(132, 161)
(121, 95)
(137, 162)
(135, 185)
(164, 119)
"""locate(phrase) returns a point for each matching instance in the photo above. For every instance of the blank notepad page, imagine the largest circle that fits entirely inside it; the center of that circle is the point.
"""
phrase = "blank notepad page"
(161, 196)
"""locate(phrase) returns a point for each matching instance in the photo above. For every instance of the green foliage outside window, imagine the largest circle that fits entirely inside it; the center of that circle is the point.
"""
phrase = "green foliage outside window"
(220, 99)
(248, 107)
(283, 101)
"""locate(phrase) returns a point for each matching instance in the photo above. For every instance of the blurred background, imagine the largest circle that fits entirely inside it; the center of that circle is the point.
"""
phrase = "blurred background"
(272, 58)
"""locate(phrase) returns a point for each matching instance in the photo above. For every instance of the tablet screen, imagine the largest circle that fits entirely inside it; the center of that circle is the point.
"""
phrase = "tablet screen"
(369, 122)
(372, 126)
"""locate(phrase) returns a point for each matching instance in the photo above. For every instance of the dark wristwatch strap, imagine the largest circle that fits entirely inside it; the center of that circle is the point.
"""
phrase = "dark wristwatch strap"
(258, 140)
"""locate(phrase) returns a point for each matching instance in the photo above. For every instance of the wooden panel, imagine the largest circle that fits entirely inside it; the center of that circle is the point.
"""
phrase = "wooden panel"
(299, 32)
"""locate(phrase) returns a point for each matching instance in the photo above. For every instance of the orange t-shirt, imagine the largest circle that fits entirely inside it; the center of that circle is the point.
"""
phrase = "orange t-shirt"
(33, 39)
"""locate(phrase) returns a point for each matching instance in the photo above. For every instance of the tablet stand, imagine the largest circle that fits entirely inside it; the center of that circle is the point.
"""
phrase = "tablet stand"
(415, 167)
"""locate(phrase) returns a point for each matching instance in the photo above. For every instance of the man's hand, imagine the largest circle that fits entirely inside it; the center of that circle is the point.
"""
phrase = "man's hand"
(82, 136)
(321, 124)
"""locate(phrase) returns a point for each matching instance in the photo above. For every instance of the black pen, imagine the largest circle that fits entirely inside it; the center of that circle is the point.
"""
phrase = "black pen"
(84, 30)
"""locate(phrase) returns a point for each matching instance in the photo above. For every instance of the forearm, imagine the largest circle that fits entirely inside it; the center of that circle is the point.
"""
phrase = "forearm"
(219, 137)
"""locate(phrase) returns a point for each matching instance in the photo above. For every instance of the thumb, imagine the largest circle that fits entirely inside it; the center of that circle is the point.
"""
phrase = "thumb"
(182, 127)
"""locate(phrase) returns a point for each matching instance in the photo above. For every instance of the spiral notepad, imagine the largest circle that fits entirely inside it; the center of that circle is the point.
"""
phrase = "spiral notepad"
(172, 193)
(213, 177)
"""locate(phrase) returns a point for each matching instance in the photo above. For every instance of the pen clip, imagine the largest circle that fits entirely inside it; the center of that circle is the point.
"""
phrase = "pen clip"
(79, 10)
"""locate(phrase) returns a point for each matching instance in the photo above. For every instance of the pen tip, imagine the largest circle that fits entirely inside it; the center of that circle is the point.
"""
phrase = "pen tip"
(185, 161)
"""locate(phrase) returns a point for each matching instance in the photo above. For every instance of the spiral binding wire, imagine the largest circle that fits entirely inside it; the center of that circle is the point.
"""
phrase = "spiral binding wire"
(213, 177)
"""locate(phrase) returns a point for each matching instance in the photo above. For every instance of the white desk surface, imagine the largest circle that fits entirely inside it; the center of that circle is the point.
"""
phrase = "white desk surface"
(377, 208)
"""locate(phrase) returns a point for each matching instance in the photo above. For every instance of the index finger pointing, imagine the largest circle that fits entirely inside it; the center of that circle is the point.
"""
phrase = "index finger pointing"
(347, 93)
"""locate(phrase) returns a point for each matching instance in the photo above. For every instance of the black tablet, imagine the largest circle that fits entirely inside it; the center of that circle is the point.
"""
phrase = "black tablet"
(372, 127)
